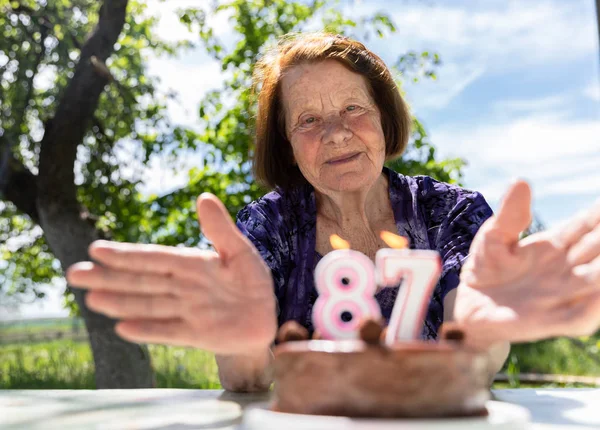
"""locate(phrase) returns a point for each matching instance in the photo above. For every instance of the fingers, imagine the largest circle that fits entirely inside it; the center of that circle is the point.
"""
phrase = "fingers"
(489, 253)
(219, 228)
(585, 249)
(589, 273)
(581, 318)
(514, 215)
(157, 259)
(173, 331)
(94, 277)
(118, 305)
(575, 228)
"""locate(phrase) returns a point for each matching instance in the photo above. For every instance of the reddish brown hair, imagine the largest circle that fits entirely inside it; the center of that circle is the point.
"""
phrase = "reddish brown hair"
(273, 157)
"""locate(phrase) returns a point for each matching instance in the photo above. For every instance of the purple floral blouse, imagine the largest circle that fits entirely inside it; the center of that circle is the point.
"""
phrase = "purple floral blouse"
(431, 214)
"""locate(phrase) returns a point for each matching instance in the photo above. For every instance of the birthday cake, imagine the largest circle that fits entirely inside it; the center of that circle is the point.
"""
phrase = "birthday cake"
(367, 378)
(357, 367)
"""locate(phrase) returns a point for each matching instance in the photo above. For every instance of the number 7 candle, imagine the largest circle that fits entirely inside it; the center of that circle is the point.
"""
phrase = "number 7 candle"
(418, 270)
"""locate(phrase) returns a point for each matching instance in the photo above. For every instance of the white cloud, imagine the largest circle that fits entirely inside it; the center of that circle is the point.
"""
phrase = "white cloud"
(191, 81)
(531, 105)
(540, 137)
(587, 183)
(170, 28)
(509, 35)
(592, 91)
(453, 80)
(558, 155)
(536, 139)
(567, 168)
(163, 175)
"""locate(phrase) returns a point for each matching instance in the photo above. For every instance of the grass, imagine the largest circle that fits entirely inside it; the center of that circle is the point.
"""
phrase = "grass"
(562, 356)
(558, 356)
(65, 364)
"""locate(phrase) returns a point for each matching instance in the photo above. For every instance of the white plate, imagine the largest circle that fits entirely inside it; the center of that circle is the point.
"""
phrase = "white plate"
(502, 416)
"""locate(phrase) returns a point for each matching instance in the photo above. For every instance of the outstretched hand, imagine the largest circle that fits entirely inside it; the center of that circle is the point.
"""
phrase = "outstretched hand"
(220, 301)
(546, 285)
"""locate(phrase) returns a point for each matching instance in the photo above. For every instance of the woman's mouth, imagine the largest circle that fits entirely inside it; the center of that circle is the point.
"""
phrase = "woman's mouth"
(344, 158)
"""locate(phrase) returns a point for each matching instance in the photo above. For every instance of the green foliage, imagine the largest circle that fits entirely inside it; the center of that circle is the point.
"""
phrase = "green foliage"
(40, 42)
(26, 262)
(419, 65)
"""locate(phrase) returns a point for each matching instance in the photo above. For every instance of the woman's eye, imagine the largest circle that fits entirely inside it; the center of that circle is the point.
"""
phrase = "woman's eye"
(310, 120)
(352, 108)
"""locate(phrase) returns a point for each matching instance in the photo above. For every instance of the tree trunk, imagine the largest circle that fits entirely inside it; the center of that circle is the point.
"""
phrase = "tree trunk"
(67, 228)
(119, 364)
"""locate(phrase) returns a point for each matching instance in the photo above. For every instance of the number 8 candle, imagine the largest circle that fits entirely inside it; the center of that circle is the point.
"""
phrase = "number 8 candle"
(345, 281)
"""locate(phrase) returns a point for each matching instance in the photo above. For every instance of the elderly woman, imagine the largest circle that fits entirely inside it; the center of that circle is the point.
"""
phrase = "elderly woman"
(329, 116)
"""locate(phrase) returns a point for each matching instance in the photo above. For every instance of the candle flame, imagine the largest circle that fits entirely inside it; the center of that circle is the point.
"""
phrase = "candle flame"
(338, 243)
(393, 240)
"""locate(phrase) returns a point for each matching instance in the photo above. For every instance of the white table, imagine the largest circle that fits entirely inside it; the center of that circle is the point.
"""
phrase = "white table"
(551, 409)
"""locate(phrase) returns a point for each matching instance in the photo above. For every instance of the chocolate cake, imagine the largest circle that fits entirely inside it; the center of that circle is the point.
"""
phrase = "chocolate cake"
(366, 378)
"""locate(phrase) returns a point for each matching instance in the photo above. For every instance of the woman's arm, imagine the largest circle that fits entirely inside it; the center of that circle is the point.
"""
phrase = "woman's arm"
(497, 353)
(246, 373)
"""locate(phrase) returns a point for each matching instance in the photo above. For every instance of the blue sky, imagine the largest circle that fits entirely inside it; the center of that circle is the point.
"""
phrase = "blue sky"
(517, 94)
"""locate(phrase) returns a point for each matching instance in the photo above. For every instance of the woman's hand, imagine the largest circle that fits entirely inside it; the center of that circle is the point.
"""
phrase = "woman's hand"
(219, 301)
(545, 285)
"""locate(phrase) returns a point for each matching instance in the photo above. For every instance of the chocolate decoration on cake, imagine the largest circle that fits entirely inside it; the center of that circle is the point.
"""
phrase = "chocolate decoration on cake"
(292, 331)
(455, 335)
(317, 335)
(452, 332)
(370, 331)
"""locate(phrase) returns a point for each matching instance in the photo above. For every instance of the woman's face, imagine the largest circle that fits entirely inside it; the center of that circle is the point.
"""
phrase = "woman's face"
(334, 126)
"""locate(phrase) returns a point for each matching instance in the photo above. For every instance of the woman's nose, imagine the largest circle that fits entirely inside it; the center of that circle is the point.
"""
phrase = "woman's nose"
(336, 130)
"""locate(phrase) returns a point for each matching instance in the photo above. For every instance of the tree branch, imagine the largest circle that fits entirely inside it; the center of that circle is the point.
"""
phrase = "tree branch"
(17, 183)
(76, 108)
